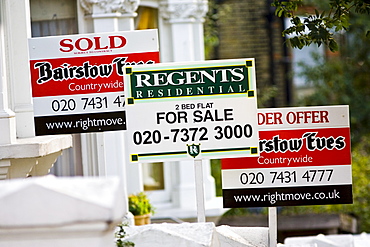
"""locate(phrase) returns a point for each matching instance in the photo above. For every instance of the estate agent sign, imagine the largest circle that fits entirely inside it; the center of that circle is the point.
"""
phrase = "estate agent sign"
(180, 111)
(305, 159)
(77, 83)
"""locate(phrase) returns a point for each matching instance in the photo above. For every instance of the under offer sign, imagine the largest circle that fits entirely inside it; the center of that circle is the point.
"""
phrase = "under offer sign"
(77, 84)
(187, 111)
(305, 159)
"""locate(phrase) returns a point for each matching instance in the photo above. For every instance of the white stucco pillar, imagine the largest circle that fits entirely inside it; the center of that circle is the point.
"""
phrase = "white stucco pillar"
(110, 15)
(7, 120)
(184, 184)
(183, 193)
(7, 116)
(103, 153)
(18, 146)
(18, 65)
(182, 22)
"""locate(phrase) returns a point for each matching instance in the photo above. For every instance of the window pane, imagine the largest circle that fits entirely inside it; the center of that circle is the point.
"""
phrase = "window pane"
(146, 18)
(153, 176)
(54, 27)
(53, 17)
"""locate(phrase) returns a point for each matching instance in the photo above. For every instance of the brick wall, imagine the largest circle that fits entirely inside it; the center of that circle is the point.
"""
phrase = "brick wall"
(245, 31)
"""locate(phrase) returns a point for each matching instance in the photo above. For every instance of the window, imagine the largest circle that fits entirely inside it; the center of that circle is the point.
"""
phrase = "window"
(52, 17)
(147, 18)
(153, 176)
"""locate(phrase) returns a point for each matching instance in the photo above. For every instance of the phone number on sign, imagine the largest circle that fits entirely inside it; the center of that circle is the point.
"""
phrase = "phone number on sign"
(193, 134)
(91, 103)
(286, 177)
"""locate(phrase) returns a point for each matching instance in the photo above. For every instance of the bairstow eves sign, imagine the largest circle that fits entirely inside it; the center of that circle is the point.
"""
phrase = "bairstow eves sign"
(305, 159)
(77, 84)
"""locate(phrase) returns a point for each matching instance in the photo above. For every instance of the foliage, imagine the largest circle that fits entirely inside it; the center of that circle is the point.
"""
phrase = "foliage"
(139, 204)
(120, 235)
(343, 79)
(265, 94)
(216, 174)
(215, 13)
(319, 28)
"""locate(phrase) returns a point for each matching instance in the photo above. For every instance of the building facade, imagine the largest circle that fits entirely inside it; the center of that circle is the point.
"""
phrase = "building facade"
(251, 29)
(170, 185)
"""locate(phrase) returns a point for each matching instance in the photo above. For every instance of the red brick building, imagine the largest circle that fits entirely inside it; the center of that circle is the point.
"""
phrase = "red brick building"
(249, 28)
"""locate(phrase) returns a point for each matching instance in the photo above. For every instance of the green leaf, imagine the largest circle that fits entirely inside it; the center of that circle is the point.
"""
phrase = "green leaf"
(296, 20)
(322, 14)
(333, 46)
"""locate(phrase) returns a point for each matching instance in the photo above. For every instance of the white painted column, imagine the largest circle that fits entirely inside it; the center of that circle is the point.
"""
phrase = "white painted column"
(198, 39)
(184, 47)
(18, 65)
(184, 184)
(19, 148)
(7, 117)
(183, 193)
(182, 22)
(209, 181)
(108, 15)
(112, 17)
(103, 153)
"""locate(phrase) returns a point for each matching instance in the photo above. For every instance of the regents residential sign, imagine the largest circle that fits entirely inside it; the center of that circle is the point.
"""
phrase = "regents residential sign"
(194, 110)
(190, 82)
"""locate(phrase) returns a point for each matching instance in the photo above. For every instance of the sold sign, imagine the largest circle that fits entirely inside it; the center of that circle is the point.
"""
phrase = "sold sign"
(77, 80)
(94, 43)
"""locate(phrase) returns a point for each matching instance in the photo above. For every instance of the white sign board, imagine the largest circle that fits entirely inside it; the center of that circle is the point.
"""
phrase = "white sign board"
(180, 111)
(77, 84)
(305, 159)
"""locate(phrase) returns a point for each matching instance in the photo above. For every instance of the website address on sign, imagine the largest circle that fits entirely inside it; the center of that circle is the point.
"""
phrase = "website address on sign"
(288, 196)
(85, 124)
(80, 123)
(276, 197)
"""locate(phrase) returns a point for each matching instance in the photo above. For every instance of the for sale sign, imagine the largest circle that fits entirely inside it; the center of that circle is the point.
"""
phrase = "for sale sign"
(77, 80)
(305, 159)
(182, 111)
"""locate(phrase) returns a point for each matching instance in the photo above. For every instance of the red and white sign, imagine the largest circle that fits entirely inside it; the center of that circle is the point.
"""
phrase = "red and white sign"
(305, 159)
(77, 80)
